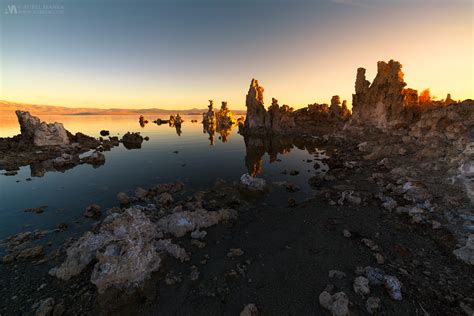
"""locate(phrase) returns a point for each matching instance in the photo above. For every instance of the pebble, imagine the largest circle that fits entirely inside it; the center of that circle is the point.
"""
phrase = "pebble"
(235, 252)
(372, 305)
(380, 259)
(336, 274)
(361, 286)
(249, 310)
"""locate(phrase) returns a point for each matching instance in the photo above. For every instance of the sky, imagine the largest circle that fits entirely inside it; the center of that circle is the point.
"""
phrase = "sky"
(177, 54)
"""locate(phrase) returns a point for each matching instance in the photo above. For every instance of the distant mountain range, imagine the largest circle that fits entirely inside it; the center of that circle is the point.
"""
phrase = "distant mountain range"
(6, 106)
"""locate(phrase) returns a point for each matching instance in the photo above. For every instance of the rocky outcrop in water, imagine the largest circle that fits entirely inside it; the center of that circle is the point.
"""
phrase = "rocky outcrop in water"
(209, 118)
(132, 140)
(225, 118)
(176, 120)
(38, 133)
(49, 147)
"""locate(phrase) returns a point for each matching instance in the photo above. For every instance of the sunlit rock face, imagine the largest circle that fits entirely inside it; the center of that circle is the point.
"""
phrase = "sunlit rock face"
(221, 122)
(256, 112)
(175, 120)
(209, 118)
(38, 133)
(225, 118)
(381, 102)
(280, 120)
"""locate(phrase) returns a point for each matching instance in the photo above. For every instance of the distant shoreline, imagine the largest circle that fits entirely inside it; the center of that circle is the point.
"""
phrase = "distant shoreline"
(61, 110)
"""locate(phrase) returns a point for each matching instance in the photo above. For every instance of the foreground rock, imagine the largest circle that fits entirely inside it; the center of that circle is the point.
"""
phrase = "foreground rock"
(124, 249)
(128, 246)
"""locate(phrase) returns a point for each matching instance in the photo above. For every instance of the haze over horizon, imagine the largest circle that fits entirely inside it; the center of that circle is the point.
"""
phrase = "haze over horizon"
(177, 55)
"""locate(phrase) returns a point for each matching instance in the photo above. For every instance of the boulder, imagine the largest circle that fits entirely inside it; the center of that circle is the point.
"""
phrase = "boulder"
(124, 249)
(38, 133)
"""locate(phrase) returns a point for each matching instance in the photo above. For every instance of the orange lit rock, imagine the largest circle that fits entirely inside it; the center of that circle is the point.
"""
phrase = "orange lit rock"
(382, 101)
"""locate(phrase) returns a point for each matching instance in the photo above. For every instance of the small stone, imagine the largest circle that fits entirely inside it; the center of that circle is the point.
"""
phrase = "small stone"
(249, 310)
(32, 252)
(235, 252)
(8, 258)
(361, 286)
(172, 279)
(325, 300)
(92, 211)
(44, 307)
(346, 233)
(37, 210)
(198, 234)
(62, 226)
(393, 286)
(380, 259)
(165, 199)
(291, 202)
(337, 274)
(198, 243)
(372, 305)
(340, 307)
(123, 199)
(194, 274)
(59, 309)
(140, 193)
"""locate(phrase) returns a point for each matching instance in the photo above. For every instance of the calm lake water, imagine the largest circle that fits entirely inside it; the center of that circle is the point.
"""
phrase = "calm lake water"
(198, 164)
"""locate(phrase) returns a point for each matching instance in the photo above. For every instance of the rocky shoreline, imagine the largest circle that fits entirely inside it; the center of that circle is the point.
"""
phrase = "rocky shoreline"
(389, 230)
(50, 147)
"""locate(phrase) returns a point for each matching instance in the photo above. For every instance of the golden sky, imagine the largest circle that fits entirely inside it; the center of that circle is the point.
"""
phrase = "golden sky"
(178, 57)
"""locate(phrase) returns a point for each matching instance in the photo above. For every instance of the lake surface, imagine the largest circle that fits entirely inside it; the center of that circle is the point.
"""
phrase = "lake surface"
(199, 162)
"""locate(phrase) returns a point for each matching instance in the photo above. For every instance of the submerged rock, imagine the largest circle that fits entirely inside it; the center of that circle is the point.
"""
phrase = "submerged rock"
(92, 211)
(252, 183)
(96, 159)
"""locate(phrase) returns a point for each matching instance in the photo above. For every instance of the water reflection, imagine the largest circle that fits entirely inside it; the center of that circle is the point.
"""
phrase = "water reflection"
(223, 131)
(257, 147)
(142, 121)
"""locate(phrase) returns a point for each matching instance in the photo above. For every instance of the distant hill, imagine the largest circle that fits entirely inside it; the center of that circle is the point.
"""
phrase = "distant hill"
(6, 106)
